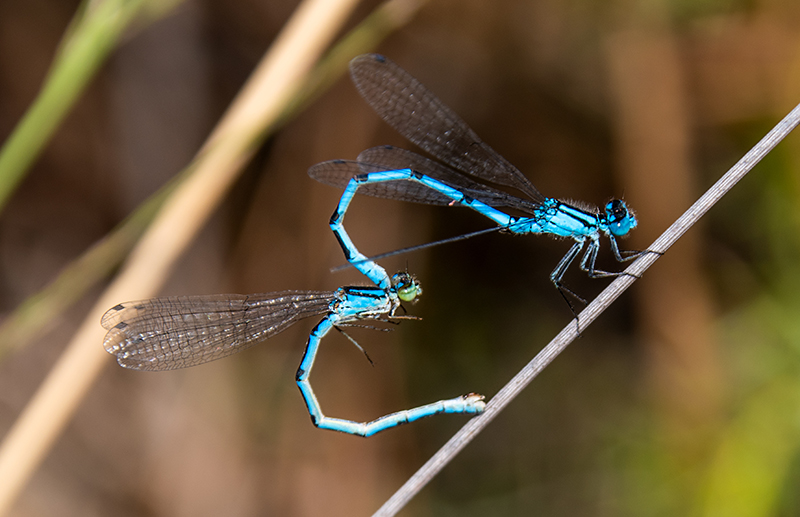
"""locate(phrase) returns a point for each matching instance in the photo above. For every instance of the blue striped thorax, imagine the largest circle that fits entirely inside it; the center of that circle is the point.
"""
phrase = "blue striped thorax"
(466, 174)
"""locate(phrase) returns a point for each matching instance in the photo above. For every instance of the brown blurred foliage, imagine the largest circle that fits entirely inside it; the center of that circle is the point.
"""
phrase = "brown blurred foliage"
(653, 100)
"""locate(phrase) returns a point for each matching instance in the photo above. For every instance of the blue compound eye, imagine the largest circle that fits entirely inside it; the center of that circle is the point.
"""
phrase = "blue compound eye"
(620, 220)
(616, 211)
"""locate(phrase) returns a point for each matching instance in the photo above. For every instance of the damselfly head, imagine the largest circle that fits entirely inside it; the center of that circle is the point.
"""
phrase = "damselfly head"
(619, 218)
(406, 286)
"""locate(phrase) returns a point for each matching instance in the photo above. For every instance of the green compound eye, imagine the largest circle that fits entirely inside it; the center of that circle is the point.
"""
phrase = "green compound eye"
(409, 293)
(406, 287)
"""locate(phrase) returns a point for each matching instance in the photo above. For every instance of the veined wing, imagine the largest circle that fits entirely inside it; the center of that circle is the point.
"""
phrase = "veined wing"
(417, 114)
(392, 158)
(182, 331)
(338, 173)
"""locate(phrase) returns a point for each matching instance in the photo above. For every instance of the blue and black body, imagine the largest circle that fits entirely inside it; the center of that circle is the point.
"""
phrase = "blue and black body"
(466, 162)
(178, 332)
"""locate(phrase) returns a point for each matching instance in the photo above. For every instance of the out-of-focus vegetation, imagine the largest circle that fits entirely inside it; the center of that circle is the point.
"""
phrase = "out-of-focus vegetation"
(681, 400)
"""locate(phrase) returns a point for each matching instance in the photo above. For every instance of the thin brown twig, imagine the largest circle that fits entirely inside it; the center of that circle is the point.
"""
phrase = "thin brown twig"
(513, 388)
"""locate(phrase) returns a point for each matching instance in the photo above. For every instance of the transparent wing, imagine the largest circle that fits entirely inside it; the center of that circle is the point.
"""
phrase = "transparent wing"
(338, 173)
(417, 114)
(391, 157)
(177, 332)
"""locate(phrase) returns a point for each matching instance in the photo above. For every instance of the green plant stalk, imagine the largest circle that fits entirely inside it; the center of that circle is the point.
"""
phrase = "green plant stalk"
(382, 22)
(34, 315)
(94, 33)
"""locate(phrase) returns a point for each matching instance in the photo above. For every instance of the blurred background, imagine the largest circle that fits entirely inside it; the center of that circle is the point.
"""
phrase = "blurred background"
(682, 399)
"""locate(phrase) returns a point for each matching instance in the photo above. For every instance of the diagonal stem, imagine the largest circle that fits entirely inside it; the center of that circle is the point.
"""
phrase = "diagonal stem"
(504, 397)
(260, 102)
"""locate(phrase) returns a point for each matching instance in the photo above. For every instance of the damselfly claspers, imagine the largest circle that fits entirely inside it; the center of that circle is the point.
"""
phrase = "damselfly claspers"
(389, 172)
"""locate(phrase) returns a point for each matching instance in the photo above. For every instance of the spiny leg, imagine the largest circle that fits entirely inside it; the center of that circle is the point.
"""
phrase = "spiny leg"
(471, 403)
(394, 319)
(587, 263)
(626, 255)
(558, 274)
(350, 338)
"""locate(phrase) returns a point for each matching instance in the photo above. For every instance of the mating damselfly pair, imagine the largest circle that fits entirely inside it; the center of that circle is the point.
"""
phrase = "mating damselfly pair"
(177, 332)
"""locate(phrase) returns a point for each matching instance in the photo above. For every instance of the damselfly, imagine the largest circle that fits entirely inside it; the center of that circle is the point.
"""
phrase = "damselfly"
(389, 172)
(177, 332)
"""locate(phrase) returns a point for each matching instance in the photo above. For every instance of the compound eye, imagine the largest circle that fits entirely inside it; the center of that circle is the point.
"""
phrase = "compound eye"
(406, 287)
(616, 210)
(409, 293)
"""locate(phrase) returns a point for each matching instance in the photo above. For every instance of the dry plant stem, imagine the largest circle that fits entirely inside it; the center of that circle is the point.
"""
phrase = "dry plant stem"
(32, 318)
(39, 313)
(94, 33)
(261, 101)
(504, 397)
